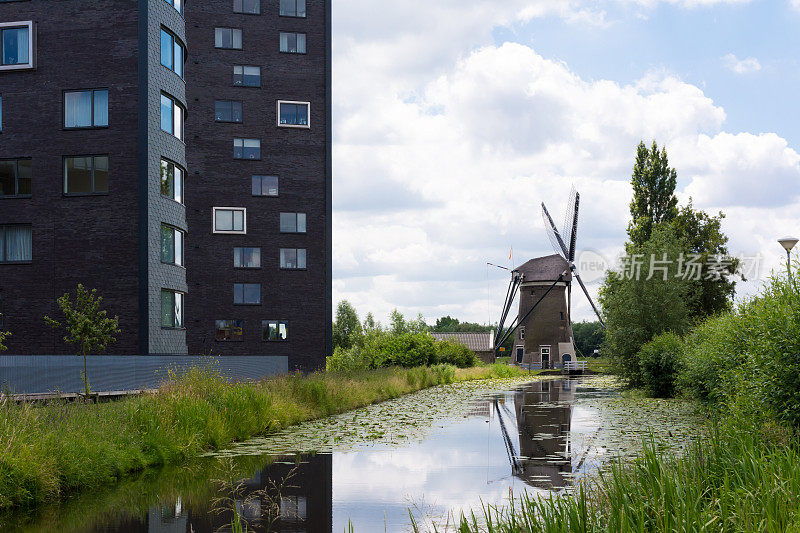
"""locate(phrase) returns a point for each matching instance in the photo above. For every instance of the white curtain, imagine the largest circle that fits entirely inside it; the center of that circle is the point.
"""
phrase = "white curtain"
(18, 243)
(78, 109)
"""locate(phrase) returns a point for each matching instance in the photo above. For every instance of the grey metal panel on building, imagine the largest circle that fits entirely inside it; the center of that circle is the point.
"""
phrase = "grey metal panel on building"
(34, 374)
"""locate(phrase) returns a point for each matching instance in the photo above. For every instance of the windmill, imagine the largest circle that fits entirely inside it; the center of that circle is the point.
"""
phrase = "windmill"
(542, 328)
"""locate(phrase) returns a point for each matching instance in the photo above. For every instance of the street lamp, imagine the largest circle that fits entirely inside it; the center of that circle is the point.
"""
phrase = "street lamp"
(788, 243)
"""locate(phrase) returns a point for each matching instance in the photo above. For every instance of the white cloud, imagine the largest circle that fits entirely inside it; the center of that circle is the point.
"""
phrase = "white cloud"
(446, 144)
(741, 66)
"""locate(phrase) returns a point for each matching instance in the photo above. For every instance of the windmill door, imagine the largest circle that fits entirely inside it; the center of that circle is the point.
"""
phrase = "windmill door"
(545, 351)
(520, 353)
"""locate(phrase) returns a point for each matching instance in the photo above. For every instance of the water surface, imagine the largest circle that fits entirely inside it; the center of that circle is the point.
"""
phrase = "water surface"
(433, 454)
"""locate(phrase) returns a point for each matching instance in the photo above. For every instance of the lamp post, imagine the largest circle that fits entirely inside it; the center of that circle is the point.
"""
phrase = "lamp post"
(788, 243)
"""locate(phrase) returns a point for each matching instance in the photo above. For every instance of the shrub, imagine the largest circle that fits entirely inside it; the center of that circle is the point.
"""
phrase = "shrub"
(348, 360)
(661, 360)
(384, 349)
(454, 353)
(750, 358)
(713, 352)
(405, 349)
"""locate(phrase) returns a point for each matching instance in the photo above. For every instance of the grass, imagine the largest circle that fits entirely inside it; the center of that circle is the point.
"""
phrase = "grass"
(50, 451)
(736, 478)
(600, 365)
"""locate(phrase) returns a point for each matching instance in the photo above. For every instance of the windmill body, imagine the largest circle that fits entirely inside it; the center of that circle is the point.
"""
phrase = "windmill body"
(542, 331)
(544, 335)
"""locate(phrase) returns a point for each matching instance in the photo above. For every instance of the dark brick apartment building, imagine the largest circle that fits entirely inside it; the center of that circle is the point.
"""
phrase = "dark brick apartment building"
(177, 157)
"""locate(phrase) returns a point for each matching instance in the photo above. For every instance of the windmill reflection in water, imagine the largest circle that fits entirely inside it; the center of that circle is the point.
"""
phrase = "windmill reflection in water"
(541, 452)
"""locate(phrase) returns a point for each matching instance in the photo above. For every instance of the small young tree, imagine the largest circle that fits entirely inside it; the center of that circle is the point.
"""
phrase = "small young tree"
(397, 323)
(347, 328)
(87, 326)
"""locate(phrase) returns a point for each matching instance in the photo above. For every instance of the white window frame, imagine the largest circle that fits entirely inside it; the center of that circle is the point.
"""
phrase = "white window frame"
(31, 45)
(223, 232)
(278, 117)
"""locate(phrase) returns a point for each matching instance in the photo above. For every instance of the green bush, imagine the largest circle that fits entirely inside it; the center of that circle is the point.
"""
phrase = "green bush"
(751, 356)
(348, 360)
(661, 361)
(384, 349)
(454, 353)
(713, 353)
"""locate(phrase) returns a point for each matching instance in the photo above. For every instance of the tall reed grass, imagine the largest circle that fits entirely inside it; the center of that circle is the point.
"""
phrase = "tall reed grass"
(49, 451)
(736, 478)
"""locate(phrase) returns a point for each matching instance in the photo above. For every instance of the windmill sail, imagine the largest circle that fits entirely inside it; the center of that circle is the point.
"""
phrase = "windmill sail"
(566, 248)
(556, 241)
(568, 223)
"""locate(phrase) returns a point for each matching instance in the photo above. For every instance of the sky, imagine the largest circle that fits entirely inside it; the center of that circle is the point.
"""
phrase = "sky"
(453, 120)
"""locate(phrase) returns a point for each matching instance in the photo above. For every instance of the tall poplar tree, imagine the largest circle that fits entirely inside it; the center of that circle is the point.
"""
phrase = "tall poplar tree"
(654, 199)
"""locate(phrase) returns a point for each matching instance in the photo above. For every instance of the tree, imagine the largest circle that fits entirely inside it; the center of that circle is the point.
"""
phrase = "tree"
(370, 326)
(347, 328)
(704, 238)
(3, 336)
(654, 200)
(589, 336)
(448, 324)
(418, 325)
(637, 309)
(397, 323)
(87, 326)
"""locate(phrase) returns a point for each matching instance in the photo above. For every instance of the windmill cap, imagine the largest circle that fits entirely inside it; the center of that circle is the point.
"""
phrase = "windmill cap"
(788, 242)
(546, 268)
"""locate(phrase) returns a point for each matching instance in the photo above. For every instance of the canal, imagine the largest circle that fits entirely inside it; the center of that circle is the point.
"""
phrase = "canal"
(430, 455)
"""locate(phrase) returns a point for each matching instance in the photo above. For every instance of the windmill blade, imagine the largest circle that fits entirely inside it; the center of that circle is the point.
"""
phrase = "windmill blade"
(552, 233)
(586, 292)
(567, 224)
(573, 234)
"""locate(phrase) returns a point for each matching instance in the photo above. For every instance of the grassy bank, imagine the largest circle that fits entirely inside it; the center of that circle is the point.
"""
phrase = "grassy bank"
(47, 452)
(735, 479)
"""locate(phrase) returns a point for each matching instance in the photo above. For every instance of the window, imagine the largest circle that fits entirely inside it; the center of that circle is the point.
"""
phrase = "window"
(265, 185)
(15, 177)
(247, 293)
(248, 7)
(172, 114)
(227, 111)
(245, 76)
(247, 258)
(173, 53)
(16, 243)
(293, 258)
(171, 309)
(172, 245)
(86, 109)
(293, 43)
(228, 38)
(86, 175)
(1, 112)
(293, 222)
(522, 333)
(172, 177)
(230, 220)
(177, 4)
(16, 45)
(246, 148)
(228, 330)
(293, 8)
(275, 330)
(294, 114)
